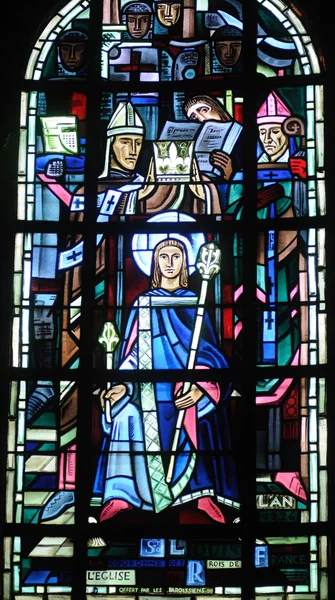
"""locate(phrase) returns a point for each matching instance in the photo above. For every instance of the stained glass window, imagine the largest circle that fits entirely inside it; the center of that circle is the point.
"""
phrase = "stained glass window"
(167, 375)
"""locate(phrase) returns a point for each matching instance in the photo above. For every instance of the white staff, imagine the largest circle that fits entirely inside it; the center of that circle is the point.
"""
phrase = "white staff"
(208, 265)
(109, 339)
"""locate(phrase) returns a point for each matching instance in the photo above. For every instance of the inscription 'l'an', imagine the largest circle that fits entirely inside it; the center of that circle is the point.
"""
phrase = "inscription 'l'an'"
(275, 501)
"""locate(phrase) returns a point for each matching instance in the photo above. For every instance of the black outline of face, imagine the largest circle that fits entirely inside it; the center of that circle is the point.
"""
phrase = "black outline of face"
(76, 58)
(138, 33)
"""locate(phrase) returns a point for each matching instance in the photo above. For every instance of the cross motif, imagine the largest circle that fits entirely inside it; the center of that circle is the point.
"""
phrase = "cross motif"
(269, 285)
(271, 175)
(269, 320)
(77, 202)
(74, 255)
(109, 203)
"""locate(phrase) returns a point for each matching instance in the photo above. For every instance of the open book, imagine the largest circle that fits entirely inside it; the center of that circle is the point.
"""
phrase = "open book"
(60, 134)
(209, 136)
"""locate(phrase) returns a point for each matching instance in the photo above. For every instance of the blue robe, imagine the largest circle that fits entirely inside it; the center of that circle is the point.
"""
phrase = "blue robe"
(204, 465)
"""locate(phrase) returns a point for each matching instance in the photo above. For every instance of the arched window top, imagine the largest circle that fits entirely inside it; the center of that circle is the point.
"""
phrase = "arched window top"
(49, 39)
(284, 43)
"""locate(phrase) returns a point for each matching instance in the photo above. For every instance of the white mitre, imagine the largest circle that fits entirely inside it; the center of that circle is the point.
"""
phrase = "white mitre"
(124, 121)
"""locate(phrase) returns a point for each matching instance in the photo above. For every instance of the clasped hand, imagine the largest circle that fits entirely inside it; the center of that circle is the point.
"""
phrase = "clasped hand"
(188, 399)
(113, 395)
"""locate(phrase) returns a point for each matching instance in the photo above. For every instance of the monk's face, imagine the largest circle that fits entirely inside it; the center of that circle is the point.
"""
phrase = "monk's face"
(126, 150)
(168, 13)
(170, 260)
(138, 24)
(72, 55)
(228, 52)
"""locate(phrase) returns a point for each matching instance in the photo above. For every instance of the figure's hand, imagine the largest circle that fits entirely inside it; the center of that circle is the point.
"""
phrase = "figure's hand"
(298, 166)
(223, 162)
(113, 395)
(191, 397)
(269, 193)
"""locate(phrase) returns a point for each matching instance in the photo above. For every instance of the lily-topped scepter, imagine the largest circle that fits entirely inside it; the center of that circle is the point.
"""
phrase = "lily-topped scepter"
(109, 339)
(208, 265)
